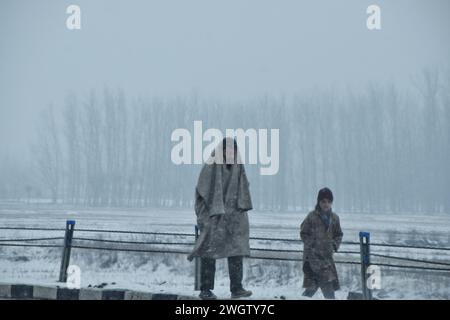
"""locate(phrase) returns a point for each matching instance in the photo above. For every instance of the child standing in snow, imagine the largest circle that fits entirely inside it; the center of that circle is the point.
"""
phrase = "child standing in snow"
(321, 235)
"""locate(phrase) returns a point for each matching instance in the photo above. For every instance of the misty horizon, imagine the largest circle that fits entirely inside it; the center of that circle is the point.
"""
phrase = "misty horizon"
(225, 63)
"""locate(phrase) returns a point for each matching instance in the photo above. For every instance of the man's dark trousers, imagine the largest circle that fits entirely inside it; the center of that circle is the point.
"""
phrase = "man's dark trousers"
(208, 271)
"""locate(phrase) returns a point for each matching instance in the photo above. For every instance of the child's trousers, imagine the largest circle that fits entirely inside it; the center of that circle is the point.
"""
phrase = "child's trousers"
(327, 290)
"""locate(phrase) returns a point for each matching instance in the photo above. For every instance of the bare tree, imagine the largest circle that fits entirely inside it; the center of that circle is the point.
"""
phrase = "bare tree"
(48, 153)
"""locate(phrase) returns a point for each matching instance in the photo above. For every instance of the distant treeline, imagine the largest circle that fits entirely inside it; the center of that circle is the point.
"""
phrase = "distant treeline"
(378, 150)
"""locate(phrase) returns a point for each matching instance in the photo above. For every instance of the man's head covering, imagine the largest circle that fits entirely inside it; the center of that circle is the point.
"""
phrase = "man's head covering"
(218, 154)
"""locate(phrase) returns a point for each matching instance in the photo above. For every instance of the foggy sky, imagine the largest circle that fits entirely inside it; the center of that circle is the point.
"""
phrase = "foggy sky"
(232, 49)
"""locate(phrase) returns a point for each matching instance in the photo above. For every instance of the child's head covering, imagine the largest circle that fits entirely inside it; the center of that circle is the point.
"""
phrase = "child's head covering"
(325, 193)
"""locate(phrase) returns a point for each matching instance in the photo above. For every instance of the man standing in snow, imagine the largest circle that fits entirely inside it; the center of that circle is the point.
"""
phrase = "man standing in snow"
(222, 199)
(322, 235)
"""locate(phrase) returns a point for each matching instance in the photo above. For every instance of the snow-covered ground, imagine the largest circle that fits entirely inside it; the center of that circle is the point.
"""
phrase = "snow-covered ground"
(172, 273)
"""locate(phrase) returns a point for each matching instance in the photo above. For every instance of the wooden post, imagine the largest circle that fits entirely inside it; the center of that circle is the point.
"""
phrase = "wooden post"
(197, 265)
(65, 260)
(364, 241)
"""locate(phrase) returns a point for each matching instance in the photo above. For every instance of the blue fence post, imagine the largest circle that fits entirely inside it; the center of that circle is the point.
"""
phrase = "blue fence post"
(65, 260)
(364, 241)
(197, 264)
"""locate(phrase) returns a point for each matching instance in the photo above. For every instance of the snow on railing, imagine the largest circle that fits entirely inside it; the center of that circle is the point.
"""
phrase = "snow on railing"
(19, 242)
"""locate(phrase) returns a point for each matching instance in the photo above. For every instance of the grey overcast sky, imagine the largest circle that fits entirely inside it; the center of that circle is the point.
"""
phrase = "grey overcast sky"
(219, 48)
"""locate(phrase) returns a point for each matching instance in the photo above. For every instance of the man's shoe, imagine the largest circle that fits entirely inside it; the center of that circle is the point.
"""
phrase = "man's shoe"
(207, 295)
(241, 293)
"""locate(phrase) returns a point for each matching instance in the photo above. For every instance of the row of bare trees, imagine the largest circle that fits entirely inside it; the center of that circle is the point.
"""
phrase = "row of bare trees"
(380, 150)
